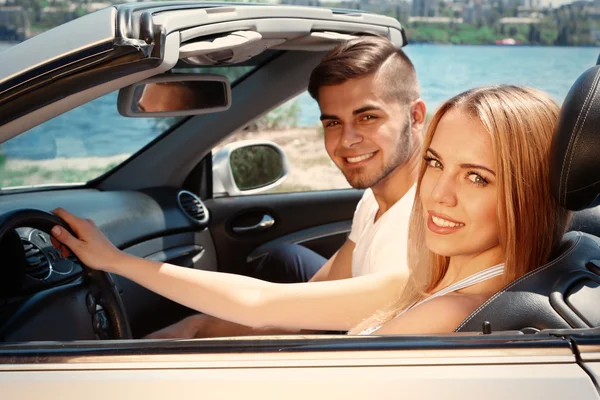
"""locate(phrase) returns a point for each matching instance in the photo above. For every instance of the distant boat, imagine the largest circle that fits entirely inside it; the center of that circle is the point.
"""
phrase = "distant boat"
(508, 42)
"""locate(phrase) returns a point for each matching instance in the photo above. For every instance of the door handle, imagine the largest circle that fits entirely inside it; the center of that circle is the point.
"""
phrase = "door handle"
(265, 223)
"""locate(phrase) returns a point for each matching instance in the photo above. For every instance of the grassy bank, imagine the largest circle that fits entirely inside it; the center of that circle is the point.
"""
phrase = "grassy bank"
(310, 167)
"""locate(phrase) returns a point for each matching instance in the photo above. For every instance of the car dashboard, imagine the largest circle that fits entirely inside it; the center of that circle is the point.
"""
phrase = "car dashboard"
(157, 224)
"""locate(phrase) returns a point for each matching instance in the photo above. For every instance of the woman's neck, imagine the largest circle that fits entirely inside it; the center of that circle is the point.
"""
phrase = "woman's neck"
(461, 267)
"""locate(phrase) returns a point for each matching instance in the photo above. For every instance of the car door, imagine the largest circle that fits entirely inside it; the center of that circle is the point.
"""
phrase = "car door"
(498, 366)
(320, 221)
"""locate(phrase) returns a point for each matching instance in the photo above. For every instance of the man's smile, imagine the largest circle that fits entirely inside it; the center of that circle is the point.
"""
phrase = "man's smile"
(358, 159)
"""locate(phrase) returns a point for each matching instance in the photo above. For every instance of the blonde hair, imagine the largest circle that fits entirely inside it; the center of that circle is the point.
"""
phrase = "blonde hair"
(521, 123)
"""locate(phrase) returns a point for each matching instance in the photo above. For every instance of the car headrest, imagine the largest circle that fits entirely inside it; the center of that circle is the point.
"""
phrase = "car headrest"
(574, 161)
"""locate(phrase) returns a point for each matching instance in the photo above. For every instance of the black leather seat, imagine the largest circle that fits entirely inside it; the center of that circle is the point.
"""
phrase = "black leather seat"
(564, 293)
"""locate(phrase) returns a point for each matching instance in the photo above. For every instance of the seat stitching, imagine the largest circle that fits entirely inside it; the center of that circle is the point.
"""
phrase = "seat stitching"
(532, 273)
(577, 136)
(569, 147)
(571, 142)
(585, 187)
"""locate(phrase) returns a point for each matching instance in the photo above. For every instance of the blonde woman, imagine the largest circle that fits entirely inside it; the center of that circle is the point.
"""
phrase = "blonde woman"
(483, 214)
(483, 197)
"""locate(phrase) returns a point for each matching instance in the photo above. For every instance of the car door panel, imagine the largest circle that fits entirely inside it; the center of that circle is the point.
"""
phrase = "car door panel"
(492, 367)
(323, 239)
(319, 220)
(499, 382)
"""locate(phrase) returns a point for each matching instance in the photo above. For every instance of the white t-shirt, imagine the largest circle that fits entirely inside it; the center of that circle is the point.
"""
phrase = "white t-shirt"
(381, 245)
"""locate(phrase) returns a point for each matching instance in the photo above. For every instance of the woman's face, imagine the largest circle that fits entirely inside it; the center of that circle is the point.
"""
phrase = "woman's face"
(459, 189)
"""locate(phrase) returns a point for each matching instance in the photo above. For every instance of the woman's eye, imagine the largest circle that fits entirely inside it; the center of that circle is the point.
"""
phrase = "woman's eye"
(477, 179)
(433, 163)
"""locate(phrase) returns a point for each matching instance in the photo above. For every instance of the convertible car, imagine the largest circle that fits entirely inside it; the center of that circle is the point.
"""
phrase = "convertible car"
(163, 181)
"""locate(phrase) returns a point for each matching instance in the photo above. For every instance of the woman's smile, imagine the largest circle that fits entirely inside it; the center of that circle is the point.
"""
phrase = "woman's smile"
(442, 224)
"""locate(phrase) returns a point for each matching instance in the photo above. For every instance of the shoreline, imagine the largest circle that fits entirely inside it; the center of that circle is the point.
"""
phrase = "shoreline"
(64, 163)
(310, 168)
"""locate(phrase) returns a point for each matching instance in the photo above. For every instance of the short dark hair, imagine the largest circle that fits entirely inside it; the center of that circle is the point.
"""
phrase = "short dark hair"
(363, 56)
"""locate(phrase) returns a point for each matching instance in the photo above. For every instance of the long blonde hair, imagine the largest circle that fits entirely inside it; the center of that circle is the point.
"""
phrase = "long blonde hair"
(521, 123)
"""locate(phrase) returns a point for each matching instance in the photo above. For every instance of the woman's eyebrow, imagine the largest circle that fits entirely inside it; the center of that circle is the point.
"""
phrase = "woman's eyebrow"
(477, 166)
(430, 150)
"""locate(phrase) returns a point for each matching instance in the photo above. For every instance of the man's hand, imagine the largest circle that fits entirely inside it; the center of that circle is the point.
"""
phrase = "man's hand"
(187, 328)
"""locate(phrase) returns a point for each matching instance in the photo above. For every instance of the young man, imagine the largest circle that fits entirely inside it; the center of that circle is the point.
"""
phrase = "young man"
(373, 118)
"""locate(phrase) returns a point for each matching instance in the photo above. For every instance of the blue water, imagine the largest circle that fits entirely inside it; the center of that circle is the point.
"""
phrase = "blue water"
(444, 70)
(97, 129)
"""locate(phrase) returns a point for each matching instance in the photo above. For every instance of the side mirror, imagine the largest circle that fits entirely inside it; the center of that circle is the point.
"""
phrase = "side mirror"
(248, 167)
(174, 95)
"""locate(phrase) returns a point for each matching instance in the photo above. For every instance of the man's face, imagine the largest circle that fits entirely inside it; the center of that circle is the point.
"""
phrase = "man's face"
(367, 134)
(166, 97)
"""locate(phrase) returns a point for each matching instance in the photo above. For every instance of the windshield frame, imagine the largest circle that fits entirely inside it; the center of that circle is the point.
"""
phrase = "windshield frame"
(257, 63)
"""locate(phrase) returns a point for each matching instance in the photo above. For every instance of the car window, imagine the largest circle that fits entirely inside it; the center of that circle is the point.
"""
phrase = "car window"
(296, 128)
(86, 142)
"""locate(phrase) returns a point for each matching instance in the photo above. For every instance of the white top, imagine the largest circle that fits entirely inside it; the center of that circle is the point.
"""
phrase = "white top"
(381, 245)
(474, 279)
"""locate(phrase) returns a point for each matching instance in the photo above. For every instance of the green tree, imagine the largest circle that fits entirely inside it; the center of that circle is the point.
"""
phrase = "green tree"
(283, 117)
(2, 157)
(485, 35)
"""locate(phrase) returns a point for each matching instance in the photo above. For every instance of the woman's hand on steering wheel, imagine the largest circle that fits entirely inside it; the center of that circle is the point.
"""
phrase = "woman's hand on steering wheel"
(90, 246)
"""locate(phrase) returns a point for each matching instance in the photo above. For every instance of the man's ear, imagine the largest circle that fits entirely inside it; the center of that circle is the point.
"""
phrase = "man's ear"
(418, 113)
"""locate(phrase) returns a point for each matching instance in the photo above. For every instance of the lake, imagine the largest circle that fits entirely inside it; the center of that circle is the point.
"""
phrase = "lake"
(443, 71)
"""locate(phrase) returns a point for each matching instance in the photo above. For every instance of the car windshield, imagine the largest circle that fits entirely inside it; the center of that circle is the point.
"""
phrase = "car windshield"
(86, 142)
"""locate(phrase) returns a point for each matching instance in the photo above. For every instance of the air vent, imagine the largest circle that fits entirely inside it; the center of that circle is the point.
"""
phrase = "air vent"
(38, 265)
(192, 206)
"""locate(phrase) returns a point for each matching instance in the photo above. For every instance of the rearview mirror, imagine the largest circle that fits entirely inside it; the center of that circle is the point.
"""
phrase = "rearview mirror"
(173, 95)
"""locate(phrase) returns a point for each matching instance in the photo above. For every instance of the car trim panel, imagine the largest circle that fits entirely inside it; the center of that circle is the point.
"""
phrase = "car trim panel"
(340, 350)
(303, 236)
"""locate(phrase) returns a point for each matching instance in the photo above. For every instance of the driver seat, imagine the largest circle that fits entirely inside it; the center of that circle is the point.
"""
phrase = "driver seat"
(565, 292)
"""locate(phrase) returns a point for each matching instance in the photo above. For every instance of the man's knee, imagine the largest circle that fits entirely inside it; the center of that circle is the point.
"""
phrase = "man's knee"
(285, 253)
(289, 263)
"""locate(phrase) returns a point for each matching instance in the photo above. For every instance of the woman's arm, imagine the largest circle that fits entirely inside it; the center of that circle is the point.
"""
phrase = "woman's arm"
(334, 305)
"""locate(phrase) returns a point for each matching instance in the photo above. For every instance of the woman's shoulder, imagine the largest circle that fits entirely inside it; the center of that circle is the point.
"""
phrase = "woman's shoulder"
(440, 315)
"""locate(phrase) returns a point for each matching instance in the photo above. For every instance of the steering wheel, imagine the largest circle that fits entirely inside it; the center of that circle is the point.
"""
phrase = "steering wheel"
(96, 290)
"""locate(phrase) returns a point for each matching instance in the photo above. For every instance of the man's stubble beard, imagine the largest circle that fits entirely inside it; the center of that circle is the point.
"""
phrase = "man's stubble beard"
(358, 180)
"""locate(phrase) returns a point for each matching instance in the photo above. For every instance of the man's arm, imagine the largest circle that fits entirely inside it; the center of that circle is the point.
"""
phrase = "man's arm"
(339, 266)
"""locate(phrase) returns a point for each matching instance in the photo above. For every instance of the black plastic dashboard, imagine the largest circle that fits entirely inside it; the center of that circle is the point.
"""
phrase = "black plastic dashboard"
(125, 217)
(152, 224)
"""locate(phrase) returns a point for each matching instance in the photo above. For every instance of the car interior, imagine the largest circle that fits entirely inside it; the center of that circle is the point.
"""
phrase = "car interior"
(165, 202)
(168, 202)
